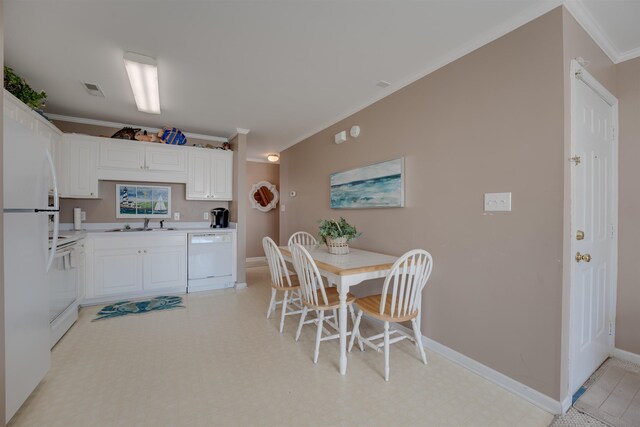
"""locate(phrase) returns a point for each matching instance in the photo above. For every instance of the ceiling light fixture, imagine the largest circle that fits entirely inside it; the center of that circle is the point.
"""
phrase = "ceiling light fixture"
(143, 77)
(273, 157)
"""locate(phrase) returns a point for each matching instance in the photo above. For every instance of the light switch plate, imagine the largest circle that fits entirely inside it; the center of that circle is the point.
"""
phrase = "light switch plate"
(206, 215)
(83, 215)
(176, 216)
(497, 202)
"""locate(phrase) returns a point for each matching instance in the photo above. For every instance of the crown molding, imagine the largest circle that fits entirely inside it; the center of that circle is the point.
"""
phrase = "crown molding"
(584, 18)
(121, 125)
(629, 54)
(493, 34)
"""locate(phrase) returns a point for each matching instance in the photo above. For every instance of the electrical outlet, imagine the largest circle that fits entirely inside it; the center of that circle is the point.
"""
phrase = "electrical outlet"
(83, 215)
(497, 202)
(176, 216)
(206, 215)
(282, 207)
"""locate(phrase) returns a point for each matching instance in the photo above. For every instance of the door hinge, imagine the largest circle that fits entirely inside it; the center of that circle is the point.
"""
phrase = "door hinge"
(612, 231)
(575, 159)
(610, 328)
(613, 134)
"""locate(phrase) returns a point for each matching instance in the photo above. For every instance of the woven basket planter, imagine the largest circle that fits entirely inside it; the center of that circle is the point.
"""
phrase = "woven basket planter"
(338, 246)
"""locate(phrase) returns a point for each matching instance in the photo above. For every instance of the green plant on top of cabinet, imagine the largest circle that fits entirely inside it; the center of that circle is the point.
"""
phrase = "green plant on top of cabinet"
(210, 174)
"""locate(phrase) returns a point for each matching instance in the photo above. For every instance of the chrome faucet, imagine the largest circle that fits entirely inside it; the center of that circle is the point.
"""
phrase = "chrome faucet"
(146, 224)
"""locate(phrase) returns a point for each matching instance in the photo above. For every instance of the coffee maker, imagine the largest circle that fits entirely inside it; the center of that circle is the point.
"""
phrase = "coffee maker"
(219, 218)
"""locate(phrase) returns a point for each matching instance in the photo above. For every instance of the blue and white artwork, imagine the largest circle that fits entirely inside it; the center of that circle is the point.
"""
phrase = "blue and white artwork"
(375, 186)
(143, 201)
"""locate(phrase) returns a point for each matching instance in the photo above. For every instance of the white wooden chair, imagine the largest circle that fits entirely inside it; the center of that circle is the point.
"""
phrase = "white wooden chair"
(402, 292)
(281, 281)
(303, 238)
(317, 298)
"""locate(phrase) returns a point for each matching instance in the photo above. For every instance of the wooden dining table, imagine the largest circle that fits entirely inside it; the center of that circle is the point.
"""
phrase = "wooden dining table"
(345, 271)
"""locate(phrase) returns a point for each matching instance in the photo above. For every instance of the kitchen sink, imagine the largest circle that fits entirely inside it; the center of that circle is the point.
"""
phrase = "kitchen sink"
(117, 230)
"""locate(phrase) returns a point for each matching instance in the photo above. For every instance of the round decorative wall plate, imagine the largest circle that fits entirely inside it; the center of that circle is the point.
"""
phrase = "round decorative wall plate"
(264, 196)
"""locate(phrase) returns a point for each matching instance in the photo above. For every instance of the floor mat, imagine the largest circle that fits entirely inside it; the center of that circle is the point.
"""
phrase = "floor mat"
(614, 398)
(124, 308)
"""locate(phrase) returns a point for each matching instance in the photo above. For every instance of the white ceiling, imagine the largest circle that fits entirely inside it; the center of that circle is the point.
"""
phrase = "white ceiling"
(283, 69)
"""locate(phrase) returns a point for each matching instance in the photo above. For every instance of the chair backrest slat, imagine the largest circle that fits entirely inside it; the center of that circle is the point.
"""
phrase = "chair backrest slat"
(302, 238)
(311, 283)
(407, 279)
(277, 266)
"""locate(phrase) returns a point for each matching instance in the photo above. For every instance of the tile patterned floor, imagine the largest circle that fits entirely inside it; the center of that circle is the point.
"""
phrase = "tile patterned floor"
(220, 362)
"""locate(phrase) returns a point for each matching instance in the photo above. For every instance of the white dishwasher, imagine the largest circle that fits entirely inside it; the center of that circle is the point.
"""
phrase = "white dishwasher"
(212, 260)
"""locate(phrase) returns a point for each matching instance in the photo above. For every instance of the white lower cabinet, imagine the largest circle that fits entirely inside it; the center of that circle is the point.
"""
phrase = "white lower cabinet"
(136, 264)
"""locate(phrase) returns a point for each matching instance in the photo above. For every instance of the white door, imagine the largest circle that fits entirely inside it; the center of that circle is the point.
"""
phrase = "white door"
(594, 220)
(165, 159)
(198, 180)
(165, 267)
(81, 161)
(127, 155)
(117, 271)
(221, 175)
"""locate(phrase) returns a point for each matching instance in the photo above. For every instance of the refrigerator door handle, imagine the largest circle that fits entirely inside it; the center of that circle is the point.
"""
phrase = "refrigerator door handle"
(54, 240)
(54, 177)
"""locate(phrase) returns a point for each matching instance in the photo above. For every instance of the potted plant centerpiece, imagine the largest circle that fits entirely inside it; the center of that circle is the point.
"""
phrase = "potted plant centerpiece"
(337, 234)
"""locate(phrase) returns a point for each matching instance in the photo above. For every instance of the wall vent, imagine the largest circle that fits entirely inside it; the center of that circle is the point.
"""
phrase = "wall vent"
(93, 89)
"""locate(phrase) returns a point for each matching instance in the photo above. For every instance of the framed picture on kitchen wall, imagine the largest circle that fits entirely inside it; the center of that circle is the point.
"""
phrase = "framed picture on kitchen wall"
(143, 201)
(380, 185)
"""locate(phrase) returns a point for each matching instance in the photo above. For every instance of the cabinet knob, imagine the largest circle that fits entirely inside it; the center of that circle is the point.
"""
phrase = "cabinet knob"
(92, 194)
(144, 251)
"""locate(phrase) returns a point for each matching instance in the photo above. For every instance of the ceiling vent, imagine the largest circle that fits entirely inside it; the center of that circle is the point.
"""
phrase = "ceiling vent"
(93, 89)
(383, 83)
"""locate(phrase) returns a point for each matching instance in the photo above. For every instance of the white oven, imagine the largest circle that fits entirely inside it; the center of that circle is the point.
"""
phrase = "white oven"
(63, 288)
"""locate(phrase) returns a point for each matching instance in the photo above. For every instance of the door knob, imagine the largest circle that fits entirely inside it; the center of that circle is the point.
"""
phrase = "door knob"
(583, 257)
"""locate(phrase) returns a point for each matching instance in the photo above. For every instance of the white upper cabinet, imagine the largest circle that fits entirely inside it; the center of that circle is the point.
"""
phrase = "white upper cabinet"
(210, 175)
(165, 158)
(116, 154)
(79, 168)
(141, 161)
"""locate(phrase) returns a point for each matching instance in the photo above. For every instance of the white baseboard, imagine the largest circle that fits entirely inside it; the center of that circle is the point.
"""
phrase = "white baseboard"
(258, 261)
(527, 393)
(626, 355)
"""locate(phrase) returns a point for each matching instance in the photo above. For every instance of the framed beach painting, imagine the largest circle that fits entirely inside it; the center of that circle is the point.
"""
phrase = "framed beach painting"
(143, 201)
(380, 185)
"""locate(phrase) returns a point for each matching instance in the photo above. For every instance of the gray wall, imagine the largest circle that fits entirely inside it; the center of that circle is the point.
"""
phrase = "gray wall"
(628, 312)
(260, 224)
(2, 391)
(238, 207)
(491, 121)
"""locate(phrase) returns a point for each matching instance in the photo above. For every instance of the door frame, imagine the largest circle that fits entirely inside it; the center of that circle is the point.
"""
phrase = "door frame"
(575, 70)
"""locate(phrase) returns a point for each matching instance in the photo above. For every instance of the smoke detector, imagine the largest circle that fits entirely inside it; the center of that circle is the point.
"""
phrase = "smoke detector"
(93, 89)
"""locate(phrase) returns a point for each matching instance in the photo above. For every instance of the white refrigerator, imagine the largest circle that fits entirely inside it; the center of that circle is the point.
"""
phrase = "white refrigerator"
(28, 177)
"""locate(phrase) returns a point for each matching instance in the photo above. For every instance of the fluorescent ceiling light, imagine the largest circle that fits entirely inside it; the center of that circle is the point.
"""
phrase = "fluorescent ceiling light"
(143, 76)
(273, 157)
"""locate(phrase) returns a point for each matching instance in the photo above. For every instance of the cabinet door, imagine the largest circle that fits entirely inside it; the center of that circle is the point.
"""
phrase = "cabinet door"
(117, 271)
(198, 179)
(80, 161)
(165, 159)
(127, 155)
(165, 267)
(221, 175)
